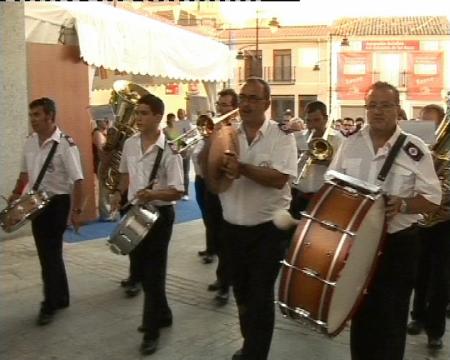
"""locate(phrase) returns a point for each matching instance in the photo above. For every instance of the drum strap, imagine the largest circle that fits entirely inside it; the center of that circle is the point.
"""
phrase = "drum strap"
(391, 157)
(45, 166)
(151, 180)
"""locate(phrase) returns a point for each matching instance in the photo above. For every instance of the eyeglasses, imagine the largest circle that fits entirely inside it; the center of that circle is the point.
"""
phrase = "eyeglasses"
(223, 104)
(251, 99)
(383, 106)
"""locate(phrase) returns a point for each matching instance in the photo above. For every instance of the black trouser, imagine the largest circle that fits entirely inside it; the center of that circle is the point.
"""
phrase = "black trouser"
(216, 239)
(186, 167)
(299, 202)
(255, 254)
(150, 258)
(378, 330)
(48, 229)
(430, 291)
(200, 196)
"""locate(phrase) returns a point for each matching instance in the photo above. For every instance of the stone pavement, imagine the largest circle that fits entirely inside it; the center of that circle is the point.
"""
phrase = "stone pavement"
(101, 323)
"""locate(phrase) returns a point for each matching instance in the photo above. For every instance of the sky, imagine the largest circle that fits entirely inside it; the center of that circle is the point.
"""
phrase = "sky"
(325, 11)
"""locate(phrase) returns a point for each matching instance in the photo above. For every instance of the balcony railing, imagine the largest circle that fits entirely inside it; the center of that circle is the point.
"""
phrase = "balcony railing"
(273, 75)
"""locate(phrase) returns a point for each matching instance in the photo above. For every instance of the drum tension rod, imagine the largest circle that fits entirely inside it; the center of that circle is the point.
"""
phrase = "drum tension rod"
(305, 314)
(328, 224)
(309, 272)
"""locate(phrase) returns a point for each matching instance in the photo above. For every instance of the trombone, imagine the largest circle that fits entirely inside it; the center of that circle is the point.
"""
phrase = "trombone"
(186, 141)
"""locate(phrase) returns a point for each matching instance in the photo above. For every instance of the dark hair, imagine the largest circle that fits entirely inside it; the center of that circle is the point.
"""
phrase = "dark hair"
(349, 119)
(382, 85)
(258, 80)
(359, 118)
(434, 107)
(337, 120)
(155, 104)
(232, 93)
(205, 120)
(48, 105)
(314, 106)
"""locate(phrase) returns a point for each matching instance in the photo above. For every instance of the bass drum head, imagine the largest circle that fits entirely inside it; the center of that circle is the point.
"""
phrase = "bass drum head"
(356, 274)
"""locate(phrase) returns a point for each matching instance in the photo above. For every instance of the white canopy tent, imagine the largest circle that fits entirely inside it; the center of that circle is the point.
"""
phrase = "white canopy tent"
(120, 40)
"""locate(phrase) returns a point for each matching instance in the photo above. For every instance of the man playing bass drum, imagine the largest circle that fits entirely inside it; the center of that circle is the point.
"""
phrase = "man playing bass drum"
(148, 261)
(378, 329)
(304, 187)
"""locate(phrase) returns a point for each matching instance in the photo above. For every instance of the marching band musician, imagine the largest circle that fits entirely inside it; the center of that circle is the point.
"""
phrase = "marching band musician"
(430, 290)
(148, 261)
(62, 178)
(378, 329)
(316, 121)
(266, 162)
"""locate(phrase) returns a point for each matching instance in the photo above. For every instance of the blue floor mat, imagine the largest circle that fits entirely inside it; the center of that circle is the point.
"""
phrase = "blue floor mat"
(184, 211)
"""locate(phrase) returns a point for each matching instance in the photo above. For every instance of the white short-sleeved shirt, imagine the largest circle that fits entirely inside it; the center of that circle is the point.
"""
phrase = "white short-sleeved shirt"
(139, 165)
(313, 177)
(247, 202)
(64, 168)
(412, 172)
(195, 160)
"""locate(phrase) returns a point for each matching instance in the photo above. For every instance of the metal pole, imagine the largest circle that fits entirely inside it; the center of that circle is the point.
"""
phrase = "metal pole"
(256, 58)
(330, 88)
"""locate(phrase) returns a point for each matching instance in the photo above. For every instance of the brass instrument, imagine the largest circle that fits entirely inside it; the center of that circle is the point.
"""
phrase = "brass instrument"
(441, 158)
(124, 98)
(186, 141)
(319, 149)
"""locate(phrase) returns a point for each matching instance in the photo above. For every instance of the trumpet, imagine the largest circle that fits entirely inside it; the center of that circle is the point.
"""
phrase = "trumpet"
(186, 141)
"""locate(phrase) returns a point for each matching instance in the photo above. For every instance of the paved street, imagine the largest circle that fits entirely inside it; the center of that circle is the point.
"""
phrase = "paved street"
(101, 323)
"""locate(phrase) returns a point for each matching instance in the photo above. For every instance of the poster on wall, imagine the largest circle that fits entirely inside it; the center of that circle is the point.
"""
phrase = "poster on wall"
(354, 75)
(425, 80)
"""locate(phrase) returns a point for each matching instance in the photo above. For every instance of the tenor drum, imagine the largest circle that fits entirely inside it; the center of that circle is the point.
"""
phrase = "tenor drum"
(132, 228)
(24, 208)
(333, 254)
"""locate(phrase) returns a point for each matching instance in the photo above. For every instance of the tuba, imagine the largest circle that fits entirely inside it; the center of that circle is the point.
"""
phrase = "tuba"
(124, 98)
(319, 149)
(441, 158)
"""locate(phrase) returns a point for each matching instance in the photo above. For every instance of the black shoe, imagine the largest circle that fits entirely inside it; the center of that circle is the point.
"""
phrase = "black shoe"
(222, 297)
(127, 282)
(434, 343)
(238, 355)
(214, 286)
(148, 346)
(133, 290)
(448, 311)
(415, 327)
(202, 253)
(45, 317)
(208, 259)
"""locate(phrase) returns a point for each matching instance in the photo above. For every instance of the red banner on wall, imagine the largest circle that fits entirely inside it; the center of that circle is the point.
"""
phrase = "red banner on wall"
(425, 81)
(396, 45)
(354, 75)
(172, 89)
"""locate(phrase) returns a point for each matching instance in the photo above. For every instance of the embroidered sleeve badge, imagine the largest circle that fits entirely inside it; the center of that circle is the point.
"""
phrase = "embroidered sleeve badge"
(413, 151)
(69, 140)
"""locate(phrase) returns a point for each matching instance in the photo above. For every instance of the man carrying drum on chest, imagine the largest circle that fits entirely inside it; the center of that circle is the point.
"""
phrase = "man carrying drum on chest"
(378, 329)
(310, 178)
(143, 152)
(51, 163)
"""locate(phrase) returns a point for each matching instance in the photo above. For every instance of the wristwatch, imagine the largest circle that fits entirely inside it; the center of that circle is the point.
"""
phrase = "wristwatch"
(403, 206)
(77, 211)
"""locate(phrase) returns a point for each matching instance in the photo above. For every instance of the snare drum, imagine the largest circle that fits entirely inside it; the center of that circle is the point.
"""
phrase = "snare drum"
(24, 208)
(132, 228)
(333, 254)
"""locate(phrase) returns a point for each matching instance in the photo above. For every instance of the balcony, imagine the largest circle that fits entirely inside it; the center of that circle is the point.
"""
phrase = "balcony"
(274, 75)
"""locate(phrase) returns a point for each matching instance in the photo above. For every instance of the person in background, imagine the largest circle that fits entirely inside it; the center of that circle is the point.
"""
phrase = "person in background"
(348, 126)
(430, 289)
(98, 141)
(183, 125)
(62, 181)
(170, 131)
(337, 125)
(402, 115)
(378, 328)
(359, 123)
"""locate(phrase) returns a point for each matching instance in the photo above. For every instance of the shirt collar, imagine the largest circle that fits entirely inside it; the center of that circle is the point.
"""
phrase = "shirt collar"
(262, 130)
(160, 142)
(364, 132)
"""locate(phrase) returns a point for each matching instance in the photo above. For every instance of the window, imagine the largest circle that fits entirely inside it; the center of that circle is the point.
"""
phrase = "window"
(282, 65)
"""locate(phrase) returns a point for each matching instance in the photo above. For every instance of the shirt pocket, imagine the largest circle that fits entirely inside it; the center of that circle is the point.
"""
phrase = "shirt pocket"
(263, 160)
(352, 167)
(400, 182)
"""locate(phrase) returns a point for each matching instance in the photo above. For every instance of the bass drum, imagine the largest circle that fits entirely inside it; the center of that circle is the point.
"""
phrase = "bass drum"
(16, 214)
(132, 228)
(333, 255)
